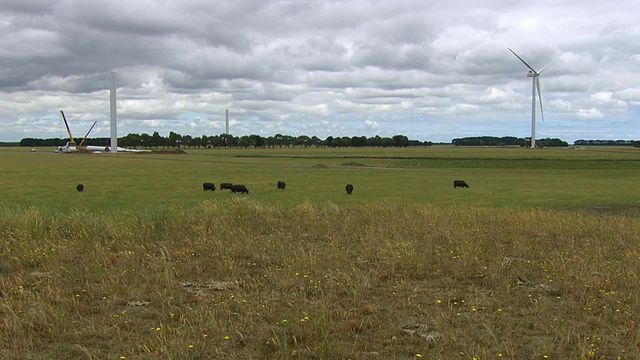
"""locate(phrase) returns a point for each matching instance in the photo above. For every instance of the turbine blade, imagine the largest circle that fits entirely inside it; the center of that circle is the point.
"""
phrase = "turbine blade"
(539, 97)
(546, 66)
(524, 62)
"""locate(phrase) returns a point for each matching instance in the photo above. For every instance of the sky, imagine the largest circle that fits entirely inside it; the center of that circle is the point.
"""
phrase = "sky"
(432, 70)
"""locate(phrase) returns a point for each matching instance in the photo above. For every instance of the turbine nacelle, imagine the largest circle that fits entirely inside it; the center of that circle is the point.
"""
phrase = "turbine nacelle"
(531, 74)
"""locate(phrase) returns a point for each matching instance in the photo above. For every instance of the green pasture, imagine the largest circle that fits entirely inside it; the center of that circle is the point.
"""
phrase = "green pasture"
(574, 178)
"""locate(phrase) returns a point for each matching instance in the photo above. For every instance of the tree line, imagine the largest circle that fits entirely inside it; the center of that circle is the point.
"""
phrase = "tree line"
(608, 142)
(507, 141)
(175, 140)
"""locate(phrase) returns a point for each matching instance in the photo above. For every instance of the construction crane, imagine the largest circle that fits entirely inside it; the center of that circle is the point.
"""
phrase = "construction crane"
(70, 146)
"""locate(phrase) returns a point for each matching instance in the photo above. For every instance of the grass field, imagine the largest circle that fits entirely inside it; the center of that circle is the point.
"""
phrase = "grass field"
(538, 259)
(511, 177)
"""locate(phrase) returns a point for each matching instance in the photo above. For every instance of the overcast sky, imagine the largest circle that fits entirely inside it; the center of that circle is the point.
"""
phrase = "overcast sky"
(429, 69)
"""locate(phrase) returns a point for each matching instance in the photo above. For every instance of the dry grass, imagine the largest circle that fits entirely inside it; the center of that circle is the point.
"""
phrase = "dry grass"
(253, 280)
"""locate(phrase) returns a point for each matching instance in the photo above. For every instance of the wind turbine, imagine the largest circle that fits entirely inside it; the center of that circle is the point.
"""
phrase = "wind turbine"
(535, 77)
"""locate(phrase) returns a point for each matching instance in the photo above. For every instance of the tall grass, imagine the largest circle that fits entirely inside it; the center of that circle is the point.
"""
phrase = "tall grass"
(249, 279)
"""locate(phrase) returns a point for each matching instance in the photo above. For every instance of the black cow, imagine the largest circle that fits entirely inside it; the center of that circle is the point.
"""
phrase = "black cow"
(80, 187)
(226, 186)
(281, 185)
(239, 188)
(349, 189)
(208, 186)
(460, 183)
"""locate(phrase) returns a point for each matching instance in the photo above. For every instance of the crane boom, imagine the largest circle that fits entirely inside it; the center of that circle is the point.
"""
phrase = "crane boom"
(88, 132)
(67, 125)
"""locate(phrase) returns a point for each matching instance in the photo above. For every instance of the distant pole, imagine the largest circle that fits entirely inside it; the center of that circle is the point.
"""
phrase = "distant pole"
(589, 117)
(226, 116)
(112, 112)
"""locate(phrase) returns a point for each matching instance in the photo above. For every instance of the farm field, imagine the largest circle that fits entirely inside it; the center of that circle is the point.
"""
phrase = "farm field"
(511, 177)
(537, 259)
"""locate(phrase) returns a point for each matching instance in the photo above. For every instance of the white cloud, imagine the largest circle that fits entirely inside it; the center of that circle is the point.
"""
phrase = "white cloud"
(607, 99)
(591, 113)
(371, 124)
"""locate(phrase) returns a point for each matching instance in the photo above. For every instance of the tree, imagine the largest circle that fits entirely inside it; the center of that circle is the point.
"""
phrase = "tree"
(388, 142)
(227, 140)
(547, 142)
(401, 140)
(145, 140)
(157, 139)
(215, 141)
(287, 140)
(374, 141)
(343, 141)
(131, 140)
(244, 141)
(256, 140)
(278, 139)
(302, 140)
(270, 141)
(175, 139)
(187, 140)
(329, 141)
(359, 141)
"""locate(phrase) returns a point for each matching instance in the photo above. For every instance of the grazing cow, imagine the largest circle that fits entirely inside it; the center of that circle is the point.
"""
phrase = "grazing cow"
(281, 185)
(349, 189)
(239, 188)
(208, 186)
(226, 186)
(80, 187)
(460, 183)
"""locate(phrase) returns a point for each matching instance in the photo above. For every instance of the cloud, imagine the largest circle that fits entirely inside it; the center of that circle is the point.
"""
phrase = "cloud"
(607, 99)
(314, 66)
(371, 124)
(591, 113)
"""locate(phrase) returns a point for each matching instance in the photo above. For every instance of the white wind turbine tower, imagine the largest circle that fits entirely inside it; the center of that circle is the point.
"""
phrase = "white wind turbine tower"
(535, 77)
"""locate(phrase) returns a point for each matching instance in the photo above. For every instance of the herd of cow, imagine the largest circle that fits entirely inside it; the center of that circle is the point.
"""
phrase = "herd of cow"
(243, 189)
(237, 188)
(281, 185)
(234, 188)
